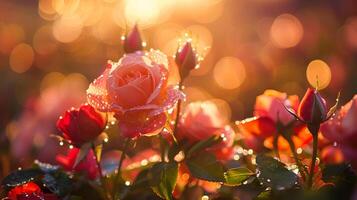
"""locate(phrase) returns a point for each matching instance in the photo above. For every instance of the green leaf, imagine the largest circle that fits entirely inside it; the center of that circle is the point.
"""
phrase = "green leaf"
(20, 177)
(204, 144)
(45, 167)
(58, 183)
(236, 176)
(205, 166)
(273, 173)
(83, 151)
(173, 151)
(265, 195)
(163, 178)
(142, 179)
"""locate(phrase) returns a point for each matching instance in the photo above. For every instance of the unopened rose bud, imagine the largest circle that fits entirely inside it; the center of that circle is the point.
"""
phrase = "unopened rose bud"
(132, 41)
(186, 59)
(312, 108)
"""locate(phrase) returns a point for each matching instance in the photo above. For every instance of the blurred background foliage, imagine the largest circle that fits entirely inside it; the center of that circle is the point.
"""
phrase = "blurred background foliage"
(51, 49)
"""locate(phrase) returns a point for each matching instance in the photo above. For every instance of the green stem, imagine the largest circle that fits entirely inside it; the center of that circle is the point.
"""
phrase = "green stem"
(162, 148)
(313, 161)
(275, 145)
(296, 158)
(178, 110)
(118, 175)
(100, 172)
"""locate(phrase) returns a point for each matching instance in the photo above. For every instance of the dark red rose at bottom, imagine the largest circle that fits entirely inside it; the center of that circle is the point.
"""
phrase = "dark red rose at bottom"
(28, 191)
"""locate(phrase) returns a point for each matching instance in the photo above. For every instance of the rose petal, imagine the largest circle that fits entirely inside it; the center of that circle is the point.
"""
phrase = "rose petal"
(128, 96)
(262, 126)
(135, 123)
(160, 76)
(97, 94)
(172, 97)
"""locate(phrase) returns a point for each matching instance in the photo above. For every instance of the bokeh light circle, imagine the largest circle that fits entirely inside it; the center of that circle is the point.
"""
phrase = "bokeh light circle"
(43, 41)
(68, 28)
(21, 58)
(350, 32)
(229, 73)
(142, 11)
(286, 31)
(10, 36)
(318, 74)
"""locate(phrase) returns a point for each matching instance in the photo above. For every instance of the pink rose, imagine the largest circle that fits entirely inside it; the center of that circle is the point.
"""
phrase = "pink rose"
(135, 89)
(271, 104)
(200, 121)
(342, 129)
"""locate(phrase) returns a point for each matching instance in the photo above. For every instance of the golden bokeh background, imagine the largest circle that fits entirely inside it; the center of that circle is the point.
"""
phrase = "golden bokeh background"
(247, 46)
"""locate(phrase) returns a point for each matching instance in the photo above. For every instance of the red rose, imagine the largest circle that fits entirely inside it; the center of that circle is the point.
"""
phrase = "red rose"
(82, 125)
(136, 90)
(87, 165)
(342, 129)
(27, 191)
(312, 108)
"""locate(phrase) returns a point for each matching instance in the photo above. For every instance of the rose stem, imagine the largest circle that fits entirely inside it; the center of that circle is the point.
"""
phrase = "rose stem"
(275, 146)
(178, 108)
(163, 149)
(296, 158)
(314, 156)
(100, 171)
(122, 157)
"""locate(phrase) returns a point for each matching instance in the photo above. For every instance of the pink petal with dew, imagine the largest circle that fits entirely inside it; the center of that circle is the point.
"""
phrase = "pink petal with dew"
(97, 94)
(128, 96)
(152, 125)
(158, 57)
(160, 76)
(172, 97)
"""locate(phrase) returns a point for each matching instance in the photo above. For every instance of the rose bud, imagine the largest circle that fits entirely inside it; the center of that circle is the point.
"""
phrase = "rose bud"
(186, 59)
(312, 108)
(26, 191)
(82, 125)
(132, 41)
